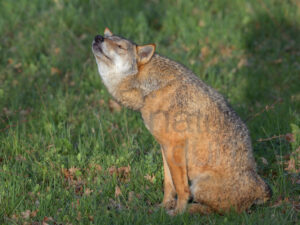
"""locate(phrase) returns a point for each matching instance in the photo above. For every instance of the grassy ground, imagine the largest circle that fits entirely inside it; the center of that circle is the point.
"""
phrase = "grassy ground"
(69, 156)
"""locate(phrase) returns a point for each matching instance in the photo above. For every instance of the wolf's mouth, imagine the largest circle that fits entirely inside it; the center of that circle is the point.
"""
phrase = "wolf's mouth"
(98, 49)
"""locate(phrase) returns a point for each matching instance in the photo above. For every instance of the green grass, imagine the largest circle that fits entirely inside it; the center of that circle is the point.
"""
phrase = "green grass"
(53, 118)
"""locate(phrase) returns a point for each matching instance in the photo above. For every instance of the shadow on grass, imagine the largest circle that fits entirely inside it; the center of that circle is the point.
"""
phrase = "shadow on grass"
(271, 88)
(273, 48)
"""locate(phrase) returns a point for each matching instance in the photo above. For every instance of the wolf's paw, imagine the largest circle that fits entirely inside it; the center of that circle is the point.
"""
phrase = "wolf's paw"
(171, 212)
(169, 204)
(179, 209)
(176, 211)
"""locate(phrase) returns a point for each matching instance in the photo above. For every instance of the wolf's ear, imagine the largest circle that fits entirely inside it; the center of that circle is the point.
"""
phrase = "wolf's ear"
(107, 32)
(145, 53)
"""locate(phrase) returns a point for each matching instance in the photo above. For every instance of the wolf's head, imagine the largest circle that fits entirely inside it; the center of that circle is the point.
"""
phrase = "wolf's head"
(117, 57)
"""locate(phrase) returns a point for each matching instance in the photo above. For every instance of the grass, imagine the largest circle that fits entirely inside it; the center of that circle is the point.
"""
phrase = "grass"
(64, 153)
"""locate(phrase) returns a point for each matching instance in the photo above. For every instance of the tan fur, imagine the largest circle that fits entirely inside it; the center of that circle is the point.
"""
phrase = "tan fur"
(206, 148)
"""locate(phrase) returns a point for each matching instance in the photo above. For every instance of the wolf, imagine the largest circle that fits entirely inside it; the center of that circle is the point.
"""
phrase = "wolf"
(206, 147)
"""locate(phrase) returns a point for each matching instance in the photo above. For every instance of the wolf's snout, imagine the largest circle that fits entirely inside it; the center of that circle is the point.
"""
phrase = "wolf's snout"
(99, 38)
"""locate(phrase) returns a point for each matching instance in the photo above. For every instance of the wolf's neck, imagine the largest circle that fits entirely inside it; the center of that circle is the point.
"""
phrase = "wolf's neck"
(130, 90)
(156, 74)
(112, 80)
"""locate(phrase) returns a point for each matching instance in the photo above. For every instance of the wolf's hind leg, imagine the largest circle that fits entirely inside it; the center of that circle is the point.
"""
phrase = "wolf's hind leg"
(208, 190)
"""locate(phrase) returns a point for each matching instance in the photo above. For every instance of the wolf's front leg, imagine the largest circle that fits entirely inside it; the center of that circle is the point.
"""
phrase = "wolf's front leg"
(169, 200)
(176, 160)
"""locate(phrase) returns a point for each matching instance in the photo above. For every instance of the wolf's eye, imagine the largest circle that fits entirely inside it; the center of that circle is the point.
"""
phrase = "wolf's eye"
(120, 46)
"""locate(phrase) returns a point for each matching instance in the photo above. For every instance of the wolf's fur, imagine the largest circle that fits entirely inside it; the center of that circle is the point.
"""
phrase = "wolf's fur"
(206, 148)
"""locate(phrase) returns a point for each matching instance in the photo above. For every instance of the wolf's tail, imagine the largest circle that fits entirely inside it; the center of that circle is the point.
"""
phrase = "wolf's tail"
(264, 192)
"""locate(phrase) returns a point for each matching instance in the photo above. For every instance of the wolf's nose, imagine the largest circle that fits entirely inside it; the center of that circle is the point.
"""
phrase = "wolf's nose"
(99, 38)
